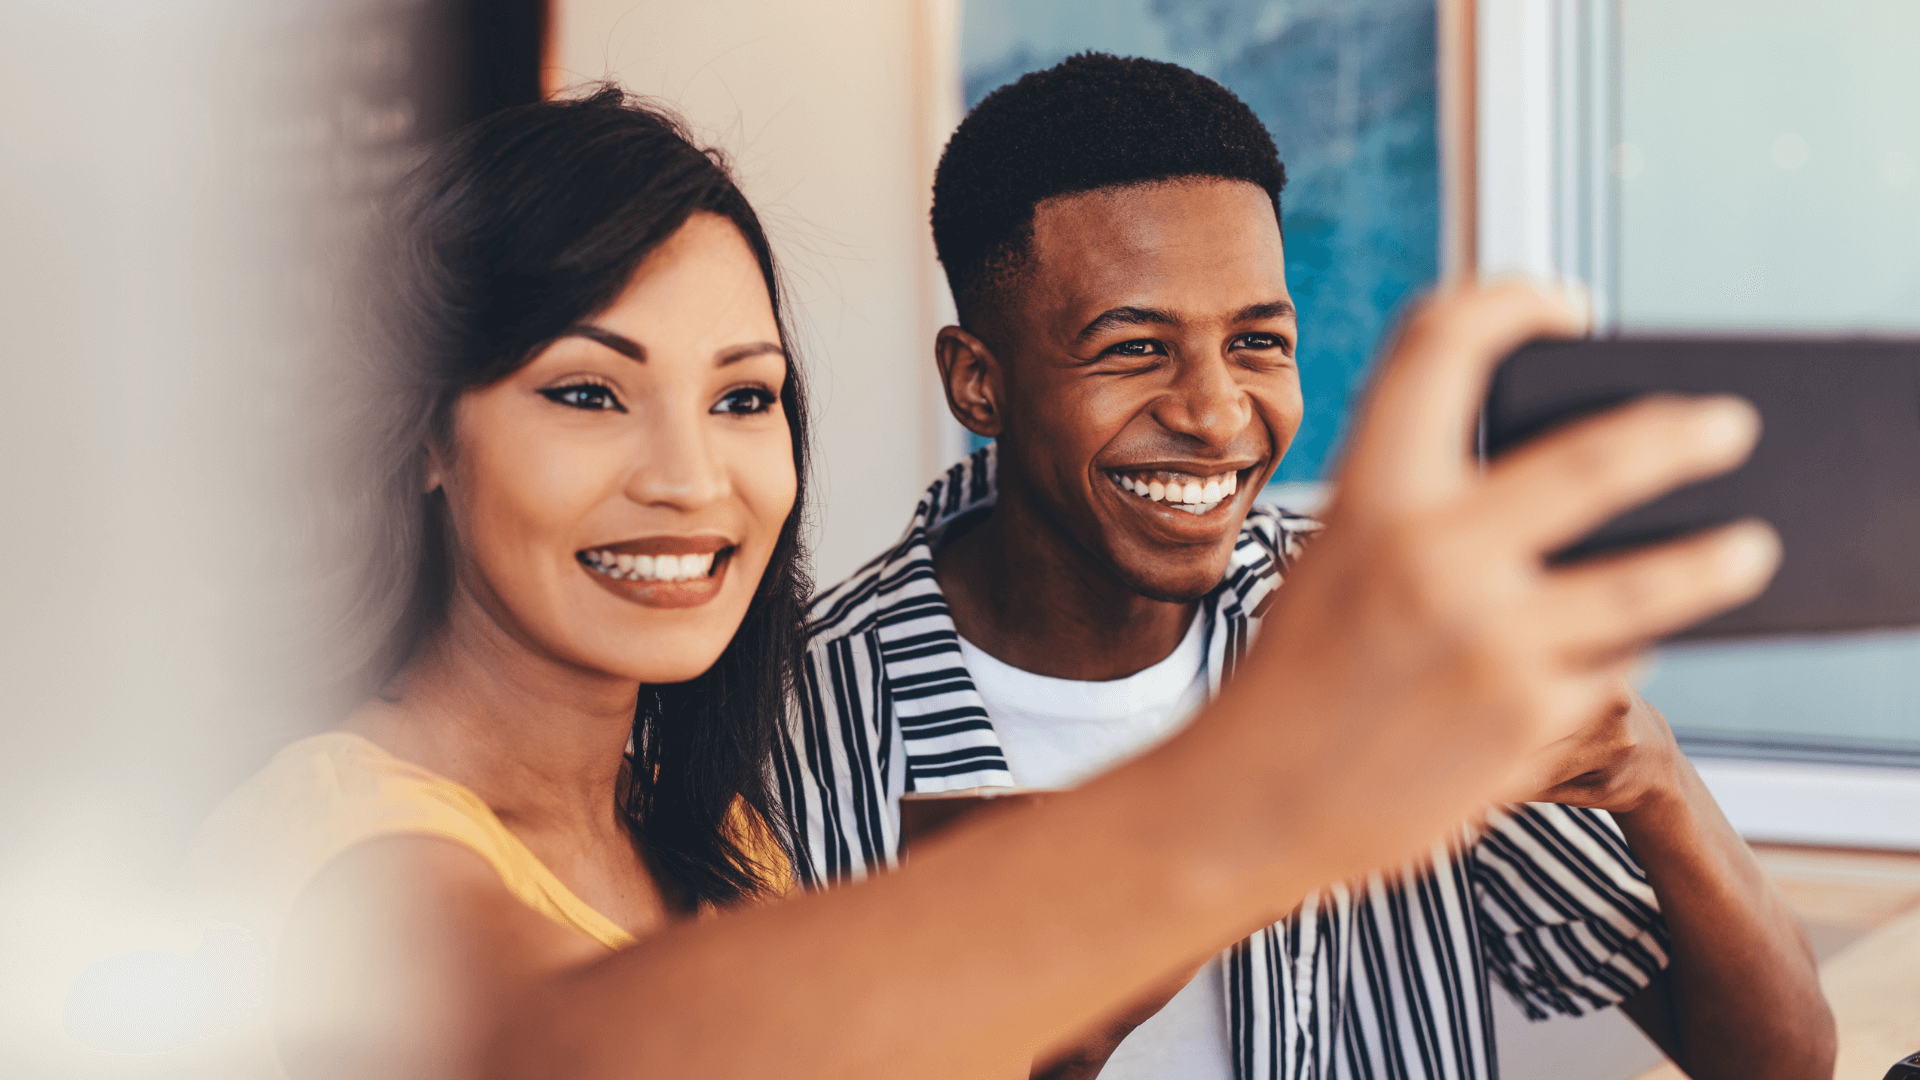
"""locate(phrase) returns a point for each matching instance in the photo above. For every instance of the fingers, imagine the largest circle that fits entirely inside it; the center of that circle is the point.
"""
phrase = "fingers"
(1559, 487)
(1563, 711)
(1607, 607)
(1412, 441)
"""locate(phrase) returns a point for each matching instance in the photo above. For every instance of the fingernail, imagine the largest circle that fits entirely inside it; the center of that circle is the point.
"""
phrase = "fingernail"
(1577, 296)
(1726, 422)
(1750, 550)
(1569, 291)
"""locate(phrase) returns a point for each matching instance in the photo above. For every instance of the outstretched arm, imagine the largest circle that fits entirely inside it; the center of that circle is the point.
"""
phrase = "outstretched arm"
(1741, 993)
(1428, 596)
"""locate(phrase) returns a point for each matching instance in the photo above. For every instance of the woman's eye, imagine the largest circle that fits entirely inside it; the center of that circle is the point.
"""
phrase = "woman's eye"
(746, 401)
(591, 396)
(1141, 347)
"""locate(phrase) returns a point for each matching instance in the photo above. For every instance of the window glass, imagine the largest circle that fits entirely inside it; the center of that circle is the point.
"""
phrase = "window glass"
(1769, 179)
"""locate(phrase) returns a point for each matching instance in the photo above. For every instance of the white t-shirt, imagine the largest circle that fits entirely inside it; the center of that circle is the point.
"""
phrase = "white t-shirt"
(1059, 732)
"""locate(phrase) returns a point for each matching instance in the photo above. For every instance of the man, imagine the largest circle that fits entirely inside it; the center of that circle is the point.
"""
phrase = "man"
(1065, 599)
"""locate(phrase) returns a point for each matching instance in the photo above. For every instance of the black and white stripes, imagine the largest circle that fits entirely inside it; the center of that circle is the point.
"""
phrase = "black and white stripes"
(1384, 978)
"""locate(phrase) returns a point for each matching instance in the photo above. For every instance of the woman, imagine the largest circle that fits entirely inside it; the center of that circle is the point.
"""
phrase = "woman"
(589, 443)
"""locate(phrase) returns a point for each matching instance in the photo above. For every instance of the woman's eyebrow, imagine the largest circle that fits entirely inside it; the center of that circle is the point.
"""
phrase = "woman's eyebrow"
(619, 343)
(742, 352)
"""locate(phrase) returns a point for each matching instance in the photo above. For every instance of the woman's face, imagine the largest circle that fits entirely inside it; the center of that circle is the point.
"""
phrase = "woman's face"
(616, 500)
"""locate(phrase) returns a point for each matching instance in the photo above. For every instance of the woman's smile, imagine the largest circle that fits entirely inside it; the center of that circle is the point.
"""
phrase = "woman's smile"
(661, 571)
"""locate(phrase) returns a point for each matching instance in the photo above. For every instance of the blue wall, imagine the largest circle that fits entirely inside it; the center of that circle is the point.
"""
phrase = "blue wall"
(1346, 88)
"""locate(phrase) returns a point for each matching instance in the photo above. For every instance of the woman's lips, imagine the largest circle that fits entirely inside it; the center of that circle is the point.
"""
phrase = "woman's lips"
(673, 574)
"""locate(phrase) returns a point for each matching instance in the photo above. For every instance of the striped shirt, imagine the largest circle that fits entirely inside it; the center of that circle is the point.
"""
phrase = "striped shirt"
(1387, 977)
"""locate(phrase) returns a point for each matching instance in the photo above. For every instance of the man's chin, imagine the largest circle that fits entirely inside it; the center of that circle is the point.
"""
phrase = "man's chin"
(1183, 587)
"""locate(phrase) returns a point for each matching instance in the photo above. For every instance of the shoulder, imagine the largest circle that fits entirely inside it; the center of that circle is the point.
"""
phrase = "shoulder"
(851, 607)
(898, 583)
(313, 801)
(895, 587)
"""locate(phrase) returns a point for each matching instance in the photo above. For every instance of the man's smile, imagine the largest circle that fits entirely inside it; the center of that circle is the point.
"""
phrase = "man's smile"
(1196, 494)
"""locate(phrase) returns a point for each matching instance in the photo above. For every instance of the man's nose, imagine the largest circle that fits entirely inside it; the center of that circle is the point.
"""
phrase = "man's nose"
(677, 466)
(1205, 403)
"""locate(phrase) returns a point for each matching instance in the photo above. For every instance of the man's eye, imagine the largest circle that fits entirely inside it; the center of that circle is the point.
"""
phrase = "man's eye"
(590, 396)
(746, 401)
(1262, 341)
(1140, 347)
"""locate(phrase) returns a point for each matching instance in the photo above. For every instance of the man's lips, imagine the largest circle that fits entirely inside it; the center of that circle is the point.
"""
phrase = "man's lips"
(1193, 489)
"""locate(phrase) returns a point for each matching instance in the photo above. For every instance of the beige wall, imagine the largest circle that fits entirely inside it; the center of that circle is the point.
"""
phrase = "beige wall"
(833, 113)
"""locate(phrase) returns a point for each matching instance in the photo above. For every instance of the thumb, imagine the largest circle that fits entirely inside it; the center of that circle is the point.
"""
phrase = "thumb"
(1412, 442)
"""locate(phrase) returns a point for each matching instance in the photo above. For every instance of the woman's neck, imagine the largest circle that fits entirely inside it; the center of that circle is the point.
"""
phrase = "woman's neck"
(539, 740)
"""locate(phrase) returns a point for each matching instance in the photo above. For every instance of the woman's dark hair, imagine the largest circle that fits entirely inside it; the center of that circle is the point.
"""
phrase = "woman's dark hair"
(528, 222)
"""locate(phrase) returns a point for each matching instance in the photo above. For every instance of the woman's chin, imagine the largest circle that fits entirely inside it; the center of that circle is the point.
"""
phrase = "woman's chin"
(660, 675)
(649, 663)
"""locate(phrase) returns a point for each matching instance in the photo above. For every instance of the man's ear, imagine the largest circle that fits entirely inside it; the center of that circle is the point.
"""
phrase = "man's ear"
(971, 375)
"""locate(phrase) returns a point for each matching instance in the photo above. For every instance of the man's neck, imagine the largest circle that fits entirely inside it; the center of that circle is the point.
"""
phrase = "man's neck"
(1029, 596)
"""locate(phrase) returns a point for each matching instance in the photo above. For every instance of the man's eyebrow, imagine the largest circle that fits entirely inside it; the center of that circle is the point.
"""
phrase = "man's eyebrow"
(1115, 318)
(1277, 309)
(619, 343)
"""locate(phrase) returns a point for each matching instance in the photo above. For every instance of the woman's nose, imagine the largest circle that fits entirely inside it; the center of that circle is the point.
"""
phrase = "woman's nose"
(677, 467)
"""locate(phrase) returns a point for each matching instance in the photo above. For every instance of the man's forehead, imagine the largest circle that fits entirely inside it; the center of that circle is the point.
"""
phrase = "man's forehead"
(1201, 244)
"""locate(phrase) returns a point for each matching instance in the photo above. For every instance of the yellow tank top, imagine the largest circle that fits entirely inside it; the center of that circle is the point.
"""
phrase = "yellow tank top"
(321, 796)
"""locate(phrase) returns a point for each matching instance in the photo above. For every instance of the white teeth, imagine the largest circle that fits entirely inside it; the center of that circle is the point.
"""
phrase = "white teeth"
(1199, 495)
(651, 567)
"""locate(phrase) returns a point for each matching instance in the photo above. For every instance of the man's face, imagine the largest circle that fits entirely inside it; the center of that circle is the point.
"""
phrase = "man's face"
(1148, 378)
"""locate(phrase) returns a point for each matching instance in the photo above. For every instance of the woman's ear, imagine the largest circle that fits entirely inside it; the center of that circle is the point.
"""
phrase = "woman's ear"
(971, 375)
(434, 475)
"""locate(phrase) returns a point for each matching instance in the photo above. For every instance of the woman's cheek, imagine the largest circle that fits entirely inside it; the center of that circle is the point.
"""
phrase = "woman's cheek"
(767, 479)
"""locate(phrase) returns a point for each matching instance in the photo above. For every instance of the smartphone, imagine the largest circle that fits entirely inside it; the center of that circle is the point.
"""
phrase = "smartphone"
(924, 814)
(1836, 471)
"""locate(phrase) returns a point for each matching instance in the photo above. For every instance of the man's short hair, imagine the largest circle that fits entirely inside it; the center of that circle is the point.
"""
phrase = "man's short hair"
(1093, 121)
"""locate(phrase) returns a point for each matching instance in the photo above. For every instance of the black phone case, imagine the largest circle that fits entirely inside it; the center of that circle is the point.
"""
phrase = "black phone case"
(1836, 471)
